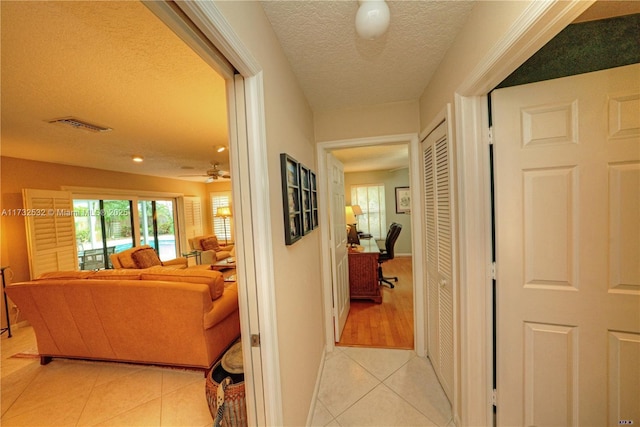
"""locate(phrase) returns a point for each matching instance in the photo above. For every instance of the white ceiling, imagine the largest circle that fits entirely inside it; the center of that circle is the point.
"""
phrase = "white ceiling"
(115, 64)
(337, 69)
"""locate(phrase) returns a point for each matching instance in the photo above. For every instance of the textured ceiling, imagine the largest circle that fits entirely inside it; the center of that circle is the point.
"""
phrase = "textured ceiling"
(375, 158)
(337, 69)
(113, 64)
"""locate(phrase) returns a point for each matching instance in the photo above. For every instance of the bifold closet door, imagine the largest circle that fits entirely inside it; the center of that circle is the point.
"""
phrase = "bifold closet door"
(436, 152)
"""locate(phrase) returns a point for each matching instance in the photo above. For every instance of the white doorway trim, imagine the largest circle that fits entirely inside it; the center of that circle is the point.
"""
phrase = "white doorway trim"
(538, 24)
(419, 297)
(203, 27)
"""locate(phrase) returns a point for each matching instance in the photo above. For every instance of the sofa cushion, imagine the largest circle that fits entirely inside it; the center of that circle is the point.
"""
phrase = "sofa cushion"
(145, 258)
(210, 244)
(124, 258)
(118, 274)
(64, 275)
(211, 278)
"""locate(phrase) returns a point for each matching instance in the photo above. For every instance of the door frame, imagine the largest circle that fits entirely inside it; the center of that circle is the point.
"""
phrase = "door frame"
(203, 27)
(537, 25)
(419, 296)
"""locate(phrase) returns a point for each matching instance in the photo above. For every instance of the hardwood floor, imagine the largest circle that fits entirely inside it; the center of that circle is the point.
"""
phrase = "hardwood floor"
(386, 325)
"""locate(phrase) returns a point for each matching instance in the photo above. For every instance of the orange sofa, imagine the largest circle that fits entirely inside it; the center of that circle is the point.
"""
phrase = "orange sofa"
(211, 250)
(143, 256)
(154, 316)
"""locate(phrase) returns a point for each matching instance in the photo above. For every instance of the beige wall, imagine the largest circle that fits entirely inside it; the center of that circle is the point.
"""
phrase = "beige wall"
(487, 23)
(367, 121)
(391, 180)
(289, 129)
(17, 174)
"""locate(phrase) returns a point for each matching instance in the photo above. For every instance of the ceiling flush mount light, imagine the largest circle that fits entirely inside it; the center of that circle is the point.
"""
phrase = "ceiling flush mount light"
(372, 19)
(137, 159)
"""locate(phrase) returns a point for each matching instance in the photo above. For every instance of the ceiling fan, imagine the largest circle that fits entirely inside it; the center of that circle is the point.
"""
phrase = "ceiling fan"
(213, 173)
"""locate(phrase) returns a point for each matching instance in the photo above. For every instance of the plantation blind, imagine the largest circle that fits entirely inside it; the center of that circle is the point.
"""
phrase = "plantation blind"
(222, 229)
(51, 241)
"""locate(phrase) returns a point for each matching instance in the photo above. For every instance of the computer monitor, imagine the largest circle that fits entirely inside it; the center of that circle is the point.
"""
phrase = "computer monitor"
(352, 235)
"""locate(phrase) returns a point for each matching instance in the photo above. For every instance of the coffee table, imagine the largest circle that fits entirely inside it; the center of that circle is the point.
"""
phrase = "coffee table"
(224, 264)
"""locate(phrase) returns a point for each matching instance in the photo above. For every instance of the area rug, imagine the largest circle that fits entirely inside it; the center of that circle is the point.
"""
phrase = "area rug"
(27, 354)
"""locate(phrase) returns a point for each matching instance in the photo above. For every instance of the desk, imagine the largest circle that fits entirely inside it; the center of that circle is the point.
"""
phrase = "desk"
(363, 272)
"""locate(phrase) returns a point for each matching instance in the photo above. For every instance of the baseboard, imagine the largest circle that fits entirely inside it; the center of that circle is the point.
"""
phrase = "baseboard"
(316, 390)
(21, 324)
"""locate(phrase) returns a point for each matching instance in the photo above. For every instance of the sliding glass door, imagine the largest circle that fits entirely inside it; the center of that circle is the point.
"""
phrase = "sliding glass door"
(157, 227)
(102, 228)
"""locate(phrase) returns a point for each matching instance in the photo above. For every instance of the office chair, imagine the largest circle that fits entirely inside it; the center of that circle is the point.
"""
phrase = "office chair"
(387, 252)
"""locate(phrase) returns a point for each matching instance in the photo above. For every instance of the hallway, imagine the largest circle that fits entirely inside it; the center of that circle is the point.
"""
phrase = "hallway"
(373, 377)
(379, 387)
(389, 324)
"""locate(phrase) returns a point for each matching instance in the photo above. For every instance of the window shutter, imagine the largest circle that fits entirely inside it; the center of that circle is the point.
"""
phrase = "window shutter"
(222, 229)
(193, 216)
(51, 240)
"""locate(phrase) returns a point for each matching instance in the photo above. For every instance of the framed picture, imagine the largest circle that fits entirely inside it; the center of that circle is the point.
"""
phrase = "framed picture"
(305, 191)
(291, 199)
(403, 200)
(314, 201)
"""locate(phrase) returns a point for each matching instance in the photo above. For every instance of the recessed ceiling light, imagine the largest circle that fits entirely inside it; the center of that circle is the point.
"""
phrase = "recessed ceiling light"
(137, 159)
(220, 148)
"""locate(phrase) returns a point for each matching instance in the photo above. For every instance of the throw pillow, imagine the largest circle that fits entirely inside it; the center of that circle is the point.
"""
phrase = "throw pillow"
(145, 258)
(210, 244)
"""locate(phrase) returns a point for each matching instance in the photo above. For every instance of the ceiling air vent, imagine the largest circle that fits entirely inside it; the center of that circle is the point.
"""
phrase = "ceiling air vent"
(79, 124)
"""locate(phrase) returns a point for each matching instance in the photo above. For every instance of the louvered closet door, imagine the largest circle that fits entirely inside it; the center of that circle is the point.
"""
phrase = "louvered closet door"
(437, 198)
(50, 231)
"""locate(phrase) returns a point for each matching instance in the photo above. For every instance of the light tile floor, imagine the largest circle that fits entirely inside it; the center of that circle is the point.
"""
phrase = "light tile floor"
(79, 393)
(359, 387)
(379, 387)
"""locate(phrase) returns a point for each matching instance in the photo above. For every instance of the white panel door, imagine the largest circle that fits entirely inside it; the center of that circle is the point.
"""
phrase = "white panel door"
(339, 254)
(51, 238)
(567, 180)
(436, 152)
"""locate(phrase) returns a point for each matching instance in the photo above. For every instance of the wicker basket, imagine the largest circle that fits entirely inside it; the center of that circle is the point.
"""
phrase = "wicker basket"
(234, 407)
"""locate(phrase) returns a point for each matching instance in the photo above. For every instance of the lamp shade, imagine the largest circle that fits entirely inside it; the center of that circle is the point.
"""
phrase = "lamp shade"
(372, 19)
(223, 211)
(349, 215)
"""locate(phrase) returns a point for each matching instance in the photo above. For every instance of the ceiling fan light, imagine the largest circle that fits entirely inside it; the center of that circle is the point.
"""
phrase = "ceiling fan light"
(372, 19)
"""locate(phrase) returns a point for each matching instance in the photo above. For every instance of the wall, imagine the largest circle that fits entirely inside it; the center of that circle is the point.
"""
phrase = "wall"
(369, 121)
(391, 180)
(17, 174)
(488, 23)
(582, 48)
(298, 289)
